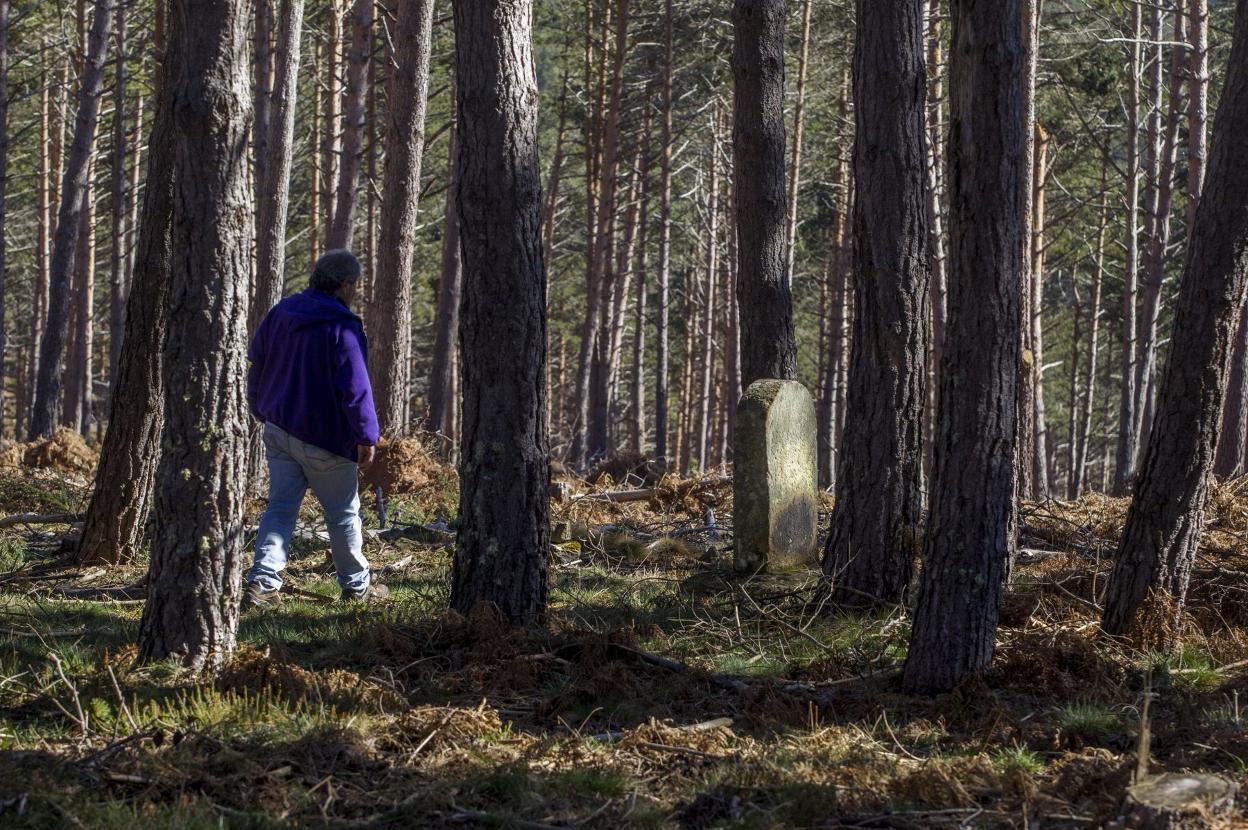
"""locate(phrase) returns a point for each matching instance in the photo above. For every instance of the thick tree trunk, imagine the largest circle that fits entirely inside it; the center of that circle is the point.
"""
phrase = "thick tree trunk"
(273, 190)
(354, 100)
(663, 276)
(75, 184)
(764, 299)
(1128, 416)
(875, 532)
(125, 479)
(194, 579)
(1167, 512)
(390, 316)
(973, 509)
(441, 402)
(504, 504)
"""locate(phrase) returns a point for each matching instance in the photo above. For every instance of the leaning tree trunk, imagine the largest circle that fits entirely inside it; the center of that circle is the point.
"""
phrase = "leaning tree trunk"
(69, 224)
(765, 302)
(194, 578)
(973, 509)
(390, 314)
(353, 106)
(1167, 513)
(875, 530)
(273, 191)
(125, 478)
(504, 506)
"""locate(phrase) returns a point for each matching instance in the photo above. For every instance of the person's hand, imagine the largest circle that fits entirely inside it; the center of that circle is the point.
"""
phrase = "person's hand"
(365, 452)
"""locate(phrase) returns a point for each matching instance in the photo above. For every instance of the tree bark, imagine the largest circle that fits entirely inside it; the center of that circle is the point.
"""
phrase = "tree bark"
(441, 403)
(504, 536)
(1167, 511)
(1197, 102)
(1233, 439)
(194, 578)
(1039, 463)
(4, 180)
(972, 521)
(331, 137)
(838, 278)
(273, 192)
(875, 530)
(117, 253)
(707, 330)
(663, 276)
(1128, 416)
(68, 227)
(125, 478)
(641, 266)
(935, 218)
(799, 123)
(354, 99)
(1079, 475)
(390, 316)
(764, 299)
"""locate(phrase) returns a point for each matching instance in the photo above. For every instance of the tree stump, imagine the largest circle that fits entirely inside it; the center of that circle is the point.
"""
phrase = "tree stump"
(1178, 801)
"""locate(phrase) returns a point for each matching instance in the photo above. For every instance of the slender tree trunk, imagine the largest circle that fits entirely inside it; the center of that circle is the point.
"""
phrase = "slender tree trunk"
(764, 300)
(1040, 467)
(1167, 512)
(125, 479)
(799, 112)
(331, 137)
(1079, 478)
(194, 579)
(684, 435)
(1026, 413)
(68, 227)
(4, 179)
(1077, 336)
(84, 315)
(973, 507)
(641, 266)
(663, 276)
(503, 542)
(838, 279)
(262, 88)
(875, 531)
(1128, 417)
(354, 101)
(273, 193)
(935, 219)
(40, 300)
(390, 317)
(1197, 102)
(316, 174)
(447, 322)
(707, 346)
(1233, 438)
(117, 253)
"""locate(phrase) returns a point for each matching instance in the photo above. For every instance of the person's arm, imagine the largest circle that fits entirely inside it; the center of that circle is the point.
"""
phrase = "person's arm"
(355, 392)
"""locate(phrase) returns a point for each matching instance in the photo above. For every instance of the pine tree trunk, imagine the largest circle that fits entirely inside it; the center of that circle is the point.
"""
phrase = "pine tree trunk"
(354, 100)
(764, 299)
(441, 401)
(875, 531)
(125, 479)
(1026, 413)
(663, 277)
(1233, 439)
(707, 331)
(1040, 466)
(331, 138)
(503, 542)
(273, 190)
(935, 219)
(75, 184)
(194, 578)
(4, 179)
(262, 88)
(641, 266)
(799, 112)
(1167, 512)
(1079, 477)
(1197, 102)
(390, 316)
(40, 299)
(1128, 417)
(973, 508)
(117, 253)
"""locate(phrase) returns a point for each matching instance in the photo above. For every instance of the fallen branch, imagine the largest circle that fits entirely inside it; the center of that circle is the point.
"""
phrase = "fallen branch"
(40, 519)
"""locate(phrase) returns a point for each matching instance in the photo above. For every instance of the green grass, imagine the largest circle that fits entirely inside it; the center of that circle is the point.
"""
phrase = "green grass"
(1018, 759)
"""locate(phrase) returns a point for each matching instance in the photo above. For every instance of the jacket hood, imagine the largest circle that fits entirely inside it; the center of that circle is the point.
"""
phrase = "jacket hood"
(312, 307)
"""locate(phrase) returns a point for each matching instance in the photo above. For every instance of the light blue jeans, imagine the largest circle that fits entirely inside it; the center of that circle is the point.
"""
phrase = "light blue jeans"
(293, 467)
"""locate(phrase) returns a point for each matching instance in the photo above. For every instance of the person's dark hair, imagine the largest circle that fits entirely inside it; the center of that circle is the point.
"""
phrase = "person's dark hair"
(333, 269)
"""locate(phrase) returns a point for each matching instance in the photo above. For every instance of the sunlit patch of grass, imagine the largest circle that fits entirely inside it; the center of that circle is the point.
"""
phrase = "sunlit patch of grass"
(1017, 759)
(1090, 719)
(1194, 669)
(749, 664)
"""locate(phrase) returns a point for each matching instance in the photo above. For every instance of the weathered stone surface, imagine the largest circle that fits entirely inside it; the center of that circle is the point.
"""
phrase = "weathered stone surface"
(775, 498)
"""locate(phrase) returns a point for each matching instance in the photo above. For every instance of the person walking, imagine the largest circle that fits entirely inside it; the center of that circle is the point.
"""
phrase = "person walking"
(308, 384)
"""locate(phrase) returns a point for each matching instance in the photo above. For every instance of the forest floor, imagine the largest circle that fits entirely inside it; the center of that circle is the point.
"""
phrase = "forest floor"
(664, 691)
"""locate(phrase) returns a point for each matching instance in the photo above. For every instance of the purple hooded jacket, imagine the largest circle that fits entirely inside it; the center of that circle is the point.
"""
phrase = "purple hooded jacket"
(309, 373)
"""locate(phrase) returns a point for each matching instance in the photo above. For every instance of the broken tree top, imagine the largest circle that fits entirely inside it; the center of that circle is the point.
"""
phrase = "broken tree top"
(775, 498)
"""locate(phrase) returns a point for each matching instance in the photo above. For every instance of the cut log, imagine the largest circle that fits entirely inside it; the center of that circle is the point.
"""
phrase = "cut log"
(1178, 801)
(39, 519)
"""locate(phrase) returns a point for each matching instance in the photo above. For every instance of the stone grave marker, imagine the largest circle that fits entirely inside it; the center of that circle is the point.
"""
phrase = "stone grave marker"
(774, 485)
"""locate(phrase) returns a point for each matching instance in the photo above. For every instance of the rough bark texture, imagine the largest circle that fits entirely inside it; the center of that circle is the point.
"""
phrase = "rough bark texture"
(875, 524)
(504, 506)
(125, 479)
(663, 275)
(69, 224)
(1128, 415)
(971, 531)
(1233, 439)
(4, 179)
(117, 253)
(353, 106)
(1167, 511)
(194, 578)
(765, 302)
(273, 187)
(390, 314)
